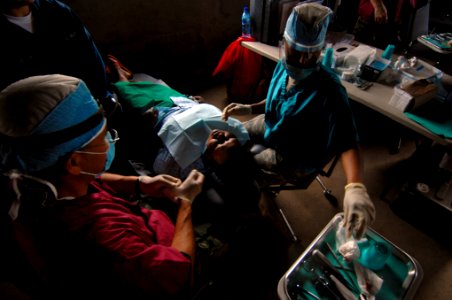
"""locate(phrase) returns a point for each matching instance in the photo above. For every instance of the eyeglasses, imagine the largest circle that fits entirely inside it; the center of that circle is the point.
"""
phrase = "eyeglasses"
(112, 136)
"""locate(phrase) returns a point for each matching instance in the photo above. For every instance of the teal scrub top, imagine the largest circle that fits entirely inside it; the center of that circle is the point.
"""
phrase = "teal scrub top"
(312, 122)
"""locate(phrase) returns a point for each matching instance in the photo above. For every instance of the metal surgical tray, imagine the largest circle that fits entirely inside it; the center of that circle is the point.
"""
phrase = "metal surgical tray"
(401, 274)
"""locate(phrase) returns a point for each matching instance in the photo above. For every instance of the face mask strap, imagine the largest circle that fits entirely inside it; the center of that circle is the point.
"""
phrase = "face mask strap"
(15, 177)
(110, 156)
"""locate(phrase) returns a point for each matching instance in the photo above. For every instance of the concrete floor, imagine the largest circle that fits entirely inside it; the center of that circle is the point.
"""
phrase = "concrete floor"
(308, 211)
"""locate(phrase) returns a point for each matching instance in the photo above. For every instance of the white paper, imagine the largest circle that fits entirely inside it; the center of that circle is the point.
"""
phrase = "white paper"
(401, 100)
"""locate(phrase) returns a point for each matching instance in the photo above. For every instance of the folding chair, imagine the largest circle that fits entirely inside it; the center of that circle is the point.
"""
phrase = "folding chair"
(302, 183)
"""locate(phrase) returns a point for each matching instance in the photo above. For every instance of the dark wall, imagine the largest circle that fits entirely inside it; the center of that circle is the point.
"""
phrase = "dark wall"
(176, 40)
(440, 16)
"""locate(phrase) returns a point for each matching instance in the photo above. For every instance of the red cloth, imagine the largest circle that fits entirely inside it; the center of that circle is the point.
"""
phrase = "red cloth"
(134, 241)
(241, 67)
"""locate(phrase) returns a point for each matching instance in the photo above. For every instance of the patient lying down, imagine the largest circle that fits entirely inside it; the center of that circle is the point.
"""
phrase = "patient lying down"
(191, 135)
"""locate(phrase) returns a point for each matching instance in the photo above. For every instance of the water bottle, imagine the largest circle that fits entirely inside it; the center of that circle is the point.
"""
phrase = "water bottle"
(246, 22)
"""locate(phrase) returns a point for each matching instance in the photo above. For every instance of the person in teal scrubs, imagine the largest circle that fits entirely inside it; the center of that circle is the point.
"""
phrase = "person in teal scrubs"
(306, 119)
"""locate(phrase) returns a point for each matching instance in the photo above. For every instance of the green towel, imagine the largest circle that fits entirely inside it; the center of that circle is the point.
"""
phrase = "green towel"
(435, 116)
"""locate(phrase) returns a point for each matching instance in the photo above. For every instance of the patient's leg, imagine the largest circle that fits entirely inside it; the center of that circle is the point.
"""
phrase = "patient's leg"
(122, 73)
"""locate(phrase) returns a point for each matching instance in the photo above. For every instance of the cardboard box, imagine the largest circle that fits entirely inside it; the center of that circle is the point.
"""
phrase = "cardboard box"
(413, 95)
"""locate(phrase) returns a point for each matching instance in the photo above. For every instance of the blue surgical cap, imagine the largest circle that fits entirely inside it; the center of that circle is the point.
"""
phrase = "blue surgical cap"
(306, 27)
(36, 108)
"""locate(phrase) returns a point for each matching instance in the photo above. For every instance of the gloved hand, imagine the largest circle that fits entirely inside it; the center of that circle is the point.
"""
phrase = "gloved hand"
(236, 109)
(157, 186)
(171, 187)
(190, 187)
(359, 211)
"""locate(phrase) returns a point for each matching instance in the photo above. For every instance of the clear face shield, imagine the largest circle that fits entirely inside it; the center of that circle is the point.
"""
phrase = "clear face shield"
(298, 65)
(281, 48)
(297, 59)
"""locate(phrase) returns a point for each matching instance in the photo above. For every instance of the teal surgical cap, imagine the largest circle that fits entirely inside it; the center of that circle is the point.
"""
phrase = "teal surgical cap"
(306, 27)
(43, 118)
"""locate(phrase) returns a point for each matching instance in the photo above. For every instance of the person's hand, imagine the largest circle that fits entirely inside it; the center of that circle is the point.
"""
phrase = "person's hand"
(359, 211)
(199, 99)
(159, 186)
(236, 109)
(380, 14)
(191, 187)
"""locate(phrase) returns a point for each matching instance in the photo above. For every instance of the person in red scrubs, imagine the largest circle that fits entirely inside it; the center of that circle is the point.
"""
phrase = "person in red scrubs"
(80, 227)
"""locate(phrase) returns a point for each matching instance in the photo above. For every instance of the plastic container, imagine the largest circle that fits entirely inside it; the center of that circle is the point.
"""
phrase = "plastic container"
(246, 22)
(374, 255)
(416, 69)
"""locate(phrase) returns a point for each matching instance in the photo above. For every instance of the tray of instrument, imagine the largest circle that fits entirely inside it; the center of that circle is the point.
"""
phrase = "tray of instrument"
(307, 278)
(437, 41)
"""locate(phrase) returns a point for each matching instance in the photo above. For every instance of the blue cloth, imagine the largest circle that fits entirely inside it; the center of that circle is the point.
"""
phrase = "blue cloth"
(73, 109)
(185, 134)
(435, 116)
(166, 164)
(306, 27)
(312, 122)
(61, 44)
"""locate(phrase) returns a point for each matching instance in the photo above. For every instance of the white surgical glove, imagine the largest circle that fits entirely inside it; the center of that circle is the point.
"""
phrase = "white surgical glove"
(236, 109)
(359, 211)
(190, 187)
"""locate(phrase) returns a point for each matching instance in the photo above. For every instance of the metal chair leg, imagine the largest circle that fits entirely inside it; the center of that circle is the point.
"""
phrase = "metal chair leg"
(327, 192)
(292, 232)
(270, 207)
